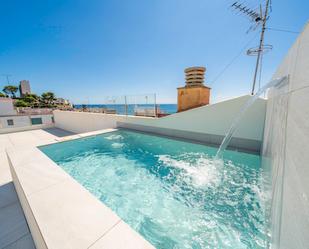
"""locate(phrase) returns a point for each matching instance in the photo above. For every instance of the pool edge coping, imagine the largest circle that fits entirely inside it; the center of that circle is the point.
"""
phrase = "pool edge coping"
(35, 193)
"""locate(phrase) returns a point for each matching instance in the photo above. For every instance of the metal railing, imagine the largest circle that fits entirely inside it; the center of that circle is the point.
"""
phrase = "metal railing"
(136, 105)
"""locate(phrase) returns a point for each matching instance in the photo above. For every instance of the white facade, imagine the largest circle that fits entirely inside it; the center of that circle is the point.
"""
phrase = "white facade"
(286, 149)
(25, 122)
(206, 124)
(7, 107)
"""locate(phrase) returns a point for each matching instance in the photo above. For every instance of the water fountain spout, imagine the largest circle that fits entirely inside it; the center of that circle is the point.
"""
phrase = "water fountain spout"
(247, 105)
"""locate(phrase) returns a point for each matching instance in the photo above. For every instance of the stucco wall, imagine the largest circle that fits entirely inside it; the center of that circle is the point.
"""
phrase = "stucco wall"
(212, 119)
(286, 149)
(6, 107)
(79, 122)
(215, 119)
(23, 123)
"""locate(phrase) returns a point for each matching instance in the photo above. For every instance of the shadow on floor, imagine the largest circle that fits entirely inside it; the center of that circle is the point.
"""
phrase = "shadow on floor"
(14, 231)
(58, 132)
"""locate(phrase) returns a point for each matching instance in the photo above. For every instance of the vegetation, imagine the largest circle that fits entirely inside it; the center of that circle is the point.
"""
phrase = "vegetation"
(47, 99)
(10, 90)
(21, 103)
(31, 100)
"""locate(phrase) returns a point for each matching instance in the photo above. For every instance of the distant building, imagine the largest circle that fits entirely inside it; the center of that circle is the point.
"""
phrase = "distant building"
(62, 101)
(24, 88)
(195, 93)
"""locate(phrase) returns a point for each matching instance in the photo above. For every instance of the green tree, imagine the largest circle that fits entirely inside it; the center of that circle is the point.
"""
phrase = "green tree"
(2, 95)
(10, 90)
(32, 99)
(48, 98)
(21, 103)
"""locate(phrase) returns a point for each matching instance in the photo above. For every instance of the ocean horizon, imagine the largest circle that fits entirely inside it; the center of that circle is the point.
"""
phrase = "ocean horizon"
(120, 108)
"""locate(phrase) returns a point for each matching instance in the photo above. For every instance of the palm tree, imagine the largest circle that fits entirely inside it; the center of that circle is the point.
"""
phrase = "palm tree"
(48, 98)
(2, 95)
(10, 90)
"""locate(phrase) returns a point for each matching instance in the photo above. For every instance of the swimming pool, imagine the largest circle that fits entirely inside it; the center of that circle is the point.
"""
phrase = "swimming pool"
(172, 192)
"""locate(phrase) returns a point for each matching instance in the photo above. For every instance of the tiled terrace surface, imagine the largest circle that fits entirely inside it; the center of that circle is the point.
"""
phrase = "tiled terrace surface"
(14, 231)
(60, 212)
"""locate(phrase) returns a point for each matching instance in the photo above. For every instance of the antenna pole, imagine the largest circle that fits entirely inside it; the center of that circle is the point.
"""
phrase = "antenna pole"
(265, 17)
(7, 78)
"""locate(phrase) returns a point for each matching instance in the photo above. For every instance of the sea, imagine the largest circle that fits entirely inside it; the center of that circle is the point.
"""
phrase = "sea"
(120, 109)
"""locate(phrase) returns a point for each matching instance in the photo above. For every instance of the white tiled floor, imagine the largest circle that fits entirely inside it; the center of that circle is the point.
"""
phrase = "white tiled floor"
(14, 231)
(99, 228)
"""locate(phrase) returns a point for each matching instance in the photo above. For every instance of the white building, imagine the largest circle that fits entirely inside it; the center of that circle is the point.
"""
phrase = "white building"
(61, 101)
(11, 121)
(25, 122)
(7, 107)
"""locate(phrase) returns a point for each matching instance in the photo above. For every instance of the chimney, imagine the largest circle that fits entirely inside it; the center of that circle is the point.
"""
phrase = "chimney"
(194, 93)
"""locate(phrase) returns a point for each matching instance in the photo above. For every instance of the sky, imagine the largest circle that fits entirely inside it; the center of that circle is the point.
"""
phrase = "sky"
(86, 51)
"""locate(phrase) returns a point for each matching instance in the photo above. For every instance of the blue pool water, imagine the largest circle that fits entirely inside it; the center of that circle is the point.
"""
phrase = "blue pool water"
(172, 192)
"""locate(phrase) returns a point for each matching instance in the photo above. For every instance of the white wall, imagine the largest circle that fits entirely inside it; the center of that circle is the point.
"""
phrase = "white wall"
(79, 122)
(212, 119)
(22, 123)
(216, 119)
(286, 149)
(6, 107)
(18, 121)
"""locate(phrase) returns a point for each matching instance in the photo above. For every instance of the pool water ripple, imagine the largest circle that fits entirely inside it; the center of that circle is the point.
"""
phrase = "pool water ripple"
(173, 193)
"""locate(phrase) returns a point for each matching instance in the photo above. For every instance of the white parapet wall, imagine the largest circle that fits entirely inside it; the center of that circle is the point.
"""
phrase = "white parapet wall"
(286, 149)
(207, 124)
(79, 122)
(15, 123)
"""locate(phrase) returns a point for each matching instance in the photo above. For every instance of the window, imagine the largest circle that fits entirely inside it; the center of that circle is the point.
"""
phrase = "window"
(10, 122)
(36, 121)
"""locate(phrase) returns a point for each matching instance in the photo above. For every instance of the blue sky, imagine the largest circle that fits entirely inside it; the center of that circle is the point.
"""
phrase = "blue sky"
(91, 49)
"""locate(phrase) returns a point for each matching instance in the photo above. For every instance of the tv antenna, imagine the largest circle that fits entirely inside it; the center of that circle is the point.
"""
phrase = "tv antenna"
(7, 78)
(259, 19)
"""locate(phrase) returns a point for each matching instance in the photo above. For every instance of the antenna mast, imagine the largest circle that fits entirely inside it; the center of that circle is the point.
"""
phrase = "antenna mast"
(261, 46)
(258, 18)
(7, 78)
